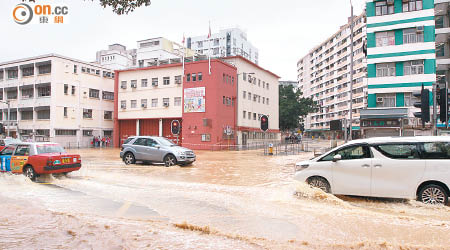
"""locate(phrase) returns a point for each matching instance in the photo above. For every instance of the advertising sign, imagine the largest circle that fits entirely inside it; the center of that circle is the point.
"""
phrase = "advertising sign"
(194, 100)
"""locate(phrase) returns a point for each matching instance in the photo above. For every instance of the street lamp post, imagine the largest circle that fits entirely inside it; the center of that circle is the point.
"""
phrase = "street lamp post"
(351, 73)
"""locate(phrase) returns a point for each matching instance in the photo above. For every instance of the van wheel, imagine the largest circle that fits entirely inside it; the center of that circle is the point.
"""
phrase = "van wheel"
(170, 160)
(319, 182)
(128, 158)
(29, 172)
(433, 194)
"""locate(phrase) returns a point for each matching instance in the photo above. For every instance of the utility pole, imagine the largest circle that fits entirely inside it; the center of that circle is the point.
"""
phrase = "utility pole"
(351, 73)
(434, 128)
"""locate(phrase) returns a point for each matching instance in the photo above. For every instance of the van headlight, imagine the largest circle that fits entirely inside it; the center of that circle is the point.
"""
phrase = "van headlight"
(301, 166)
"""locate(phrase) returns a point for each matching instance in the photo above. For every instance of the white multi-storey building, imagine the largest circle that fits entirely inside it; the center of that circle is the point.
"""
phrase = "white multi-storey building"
(225, 43)
(324, 75)
(116, 57)
(56, 98)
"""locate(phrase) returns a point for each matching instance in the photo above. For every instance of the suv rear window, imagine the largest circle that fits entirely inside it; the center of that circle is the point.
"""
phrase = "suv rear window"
(399, 151)
(436, 150)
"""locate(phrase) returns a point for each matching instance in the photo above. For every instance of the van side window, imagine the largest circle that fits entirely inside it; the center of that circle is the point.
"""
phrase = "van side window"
(350, 153)
(436, 150)
(7, 151)
(399, 151)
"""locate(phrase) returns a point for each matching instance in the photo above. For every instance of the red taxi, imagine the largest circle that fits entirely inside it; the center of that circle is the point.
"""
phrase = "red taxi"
(36, 158)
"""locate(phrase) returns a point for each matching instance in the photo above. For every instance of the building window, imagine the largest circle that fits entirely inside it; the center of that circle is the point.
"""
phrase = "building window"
(188, 77)
(133, 84)
(74, 69)
(27, 93)
(439, 22)
(177, 79)
(249, 115)
(73, 90)
(244, 76)
(244, 94)
(216, 51)
(383, 8)
(194, 77)
(29, 71)
(254, 116)
(45, 69)
(249, 96)
(206, 137)
(223, 100)
(385, 69)
(200, 77)
(166, 102)
(13, 74)
(87, 113)
(94, 93)
(386, 100)
(65, 132)
(408, 100)
(44, 91)
(244, 113)
(66, 89)
(107, 115)
(65, 111)
(440, 49)
(143, 83)
(87, 132)
(267, 101)
(26, 115)
(123, 104)
(108, 95)
(143, 103)
(200, 44)
(166, 80)
(177, 101)
(123, 84)
(385, 38)
(413, 67)
(133, 104)
(216, 42)
(412, 5)
(412, 35)
(154, 81)
(155, 102)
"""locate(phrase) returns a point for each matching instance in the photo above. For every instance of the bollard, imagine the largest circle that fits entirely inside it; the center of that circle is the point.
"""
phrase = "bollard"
(270, 149)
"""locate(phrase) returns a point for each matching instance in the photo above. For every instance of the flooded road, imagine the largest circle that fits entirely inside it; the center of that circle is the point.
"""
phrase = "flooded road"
(225, 200)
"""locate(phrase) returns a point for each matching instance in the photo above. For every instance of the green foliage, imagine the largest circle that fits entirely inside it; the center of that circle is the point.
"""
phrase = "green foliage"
(119, 6)
(293, 108)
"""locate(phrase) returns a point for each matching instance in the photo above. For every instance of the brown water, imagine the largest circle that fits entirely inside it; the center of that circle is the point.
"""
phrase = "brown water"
(226, 200)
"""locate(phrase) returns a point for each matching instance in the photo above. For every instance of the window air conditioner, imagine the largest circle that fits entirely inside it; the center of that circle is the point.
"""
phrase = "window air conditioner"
(166, 105)
(379, 99)
(123, 87)
(390, 1)
(154, 84)
(178, 82)
(419, 29)
(143, 105)
(134, 85)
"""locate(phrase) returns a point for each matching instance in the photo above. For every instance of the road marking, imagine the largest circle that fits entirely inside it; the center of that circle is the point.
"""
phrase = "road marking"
(45, 183)
(123, 209)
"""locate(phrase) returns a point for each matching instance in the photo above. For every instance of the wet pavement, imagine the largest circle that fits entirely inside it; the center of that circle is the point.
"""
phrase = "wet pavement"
(225, 200)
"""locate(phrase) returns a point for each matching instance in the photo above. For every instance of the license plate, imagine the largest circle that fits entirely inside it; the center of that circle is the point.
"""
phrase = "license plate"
(65, 160)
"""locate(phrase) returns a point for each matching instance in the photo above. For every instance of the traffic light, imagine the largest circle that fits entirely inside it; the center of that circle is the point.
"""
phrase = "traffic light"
(264, 123)
(424, 105)
(443, 105)
(175, 127)
(2, 129)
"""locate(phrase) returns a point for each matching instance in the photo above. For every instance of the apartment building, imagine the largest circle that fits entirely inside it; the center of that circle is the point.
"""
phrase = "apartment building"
(116, 57)
(218, 104)
(225, 43)
(324, 75)
(57, 98)
(159, 50)
(401, 58)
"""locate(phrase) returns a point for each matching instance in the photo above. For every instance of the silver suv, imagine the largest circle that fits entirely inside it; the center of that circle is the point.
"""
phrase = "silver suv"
(155, 149)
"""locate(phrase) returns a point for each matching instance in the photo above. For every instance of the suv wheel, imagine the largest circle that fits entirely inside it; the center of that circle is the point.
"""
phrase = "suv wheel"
(29, 172)
(433, 194)
(319, 182)
(128, 158)
(170, 160)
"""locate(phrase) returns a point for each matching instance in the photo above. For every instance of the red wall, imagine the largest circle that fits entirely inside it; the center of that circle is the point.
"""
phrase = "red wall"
(149, 127)
(219, 114)
(126, 129)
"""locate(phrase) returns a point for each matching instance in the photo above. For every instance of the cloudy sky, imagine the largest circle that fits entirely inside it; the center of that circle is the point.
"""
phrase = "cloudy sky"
(282, 30)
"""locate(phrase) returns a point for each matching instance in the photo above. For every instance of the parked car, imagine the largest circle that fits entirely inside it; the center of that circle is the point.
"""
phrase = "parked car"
(403, 167)
(7, 141)
(33, 159)
(155, 149)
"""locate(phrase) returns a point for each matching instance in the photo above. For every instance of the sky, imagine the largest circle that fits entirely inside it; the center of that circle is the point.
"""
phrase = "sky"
(284, 30)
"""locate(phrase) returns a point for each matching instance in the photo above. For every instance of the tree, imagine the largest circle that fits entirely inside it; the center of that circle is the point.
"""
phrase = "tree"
(293, 107)
(119, 6)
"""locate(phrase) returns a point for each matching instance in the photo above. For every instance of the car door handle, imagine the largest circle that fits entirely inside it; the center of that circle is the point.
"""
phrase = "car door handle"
(377, 166)
(366, 166)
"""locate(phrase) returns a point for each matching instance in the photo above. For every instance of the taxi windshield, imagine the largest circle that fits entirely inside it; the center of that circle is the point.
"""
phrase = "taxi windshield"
(49, 148)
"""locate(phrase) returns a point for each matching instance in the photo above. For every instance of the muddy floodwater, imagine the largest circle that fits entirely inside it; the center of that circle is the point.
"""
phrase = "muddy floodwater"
(225, 200)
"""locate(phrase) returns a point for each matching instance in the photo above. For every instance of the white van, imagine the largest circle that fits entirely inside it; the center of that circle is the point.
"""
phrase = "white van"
(391, 167)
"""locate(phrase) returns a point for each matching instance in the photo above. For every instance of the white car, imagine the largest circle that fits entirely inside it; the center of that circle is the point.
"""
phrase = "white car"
(402, 167)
